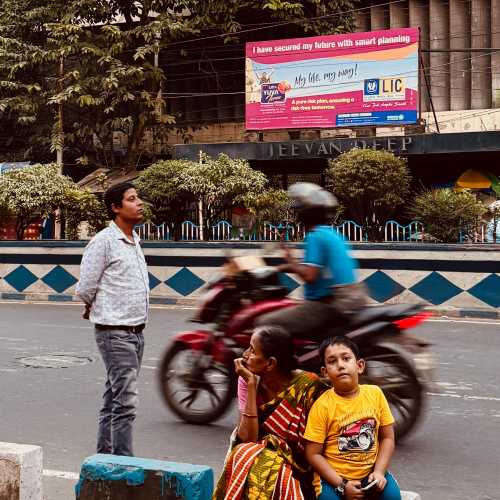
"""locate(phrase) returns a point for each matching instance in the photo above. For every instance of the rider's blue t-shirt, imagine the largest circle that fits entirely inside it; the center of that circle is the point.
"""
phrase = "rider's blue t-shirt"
(325, 249)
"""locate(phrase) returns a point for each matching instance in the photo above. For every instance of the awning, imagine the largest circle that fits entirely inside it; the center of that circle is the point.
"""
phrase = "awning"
(476, 179)
(91, 181)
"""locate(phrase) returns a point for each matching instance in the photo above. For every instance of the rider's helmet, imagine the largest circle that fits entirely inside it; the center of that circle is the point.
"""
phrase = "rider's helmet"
(314, 204)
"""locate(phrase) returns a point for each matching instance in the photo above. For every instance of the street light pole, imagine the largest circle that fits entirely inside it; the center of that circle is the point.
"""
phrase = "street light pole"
(59, 150)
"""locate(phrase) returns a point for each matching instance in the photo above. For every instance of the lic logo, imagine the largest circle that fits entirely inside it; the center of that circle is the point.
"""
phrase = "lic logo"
(372, 87)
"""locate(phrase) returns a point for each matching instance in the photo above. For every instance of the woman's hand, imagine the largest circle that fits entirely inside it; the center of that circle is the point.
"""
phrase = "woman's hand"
(243, 371)
(380, 478)
(353, 490)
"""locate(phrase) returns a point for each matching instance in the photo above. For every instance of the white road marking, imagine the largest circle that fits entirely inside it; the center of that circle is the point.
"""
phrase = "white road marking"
(51, 325)
(457, 320)
(147, 367)
(463, 396)
(61, 474)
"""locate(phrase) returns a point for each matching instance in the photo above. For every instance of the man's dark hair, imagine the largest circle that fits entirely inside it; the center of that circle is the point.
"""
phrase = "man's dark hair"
(114, 196)
(330, 341)
(276, 342)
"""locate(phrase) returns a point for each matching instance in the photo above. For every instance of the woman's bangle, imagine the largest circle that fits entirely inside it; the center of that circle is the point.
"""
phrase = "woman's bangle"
(248, 415)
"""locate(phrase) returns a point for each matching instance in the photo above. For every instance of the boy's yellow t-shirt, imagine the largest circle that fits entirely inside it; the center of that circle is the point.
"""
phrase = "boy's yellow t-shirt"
(349, 429)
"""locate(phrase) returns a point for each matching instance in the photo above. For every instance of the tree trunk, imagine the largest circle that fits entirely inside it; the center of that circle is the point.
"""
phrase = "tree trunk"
(21, 226)
(135, 140)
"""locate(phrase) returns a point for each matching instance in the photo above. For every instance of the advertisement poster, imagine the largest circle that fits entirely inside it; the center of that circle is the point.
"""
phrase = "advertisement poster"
(356, 79)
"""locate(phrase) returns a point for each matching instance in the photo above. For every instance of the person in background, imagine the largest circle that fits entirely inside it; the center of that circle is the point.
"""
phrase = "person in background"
(350, 431)
(267, 459)
(114, 286)
(332, 293)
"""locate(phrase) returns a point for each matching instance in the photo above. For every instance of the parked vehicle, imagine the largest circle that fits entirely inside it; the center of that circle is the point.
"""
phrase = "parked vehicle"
(197, 378)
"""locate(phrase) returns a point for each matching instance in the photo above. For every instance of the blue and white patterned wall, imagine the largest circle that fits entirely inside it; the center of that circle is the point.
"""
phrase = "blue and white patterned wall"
(445, 277)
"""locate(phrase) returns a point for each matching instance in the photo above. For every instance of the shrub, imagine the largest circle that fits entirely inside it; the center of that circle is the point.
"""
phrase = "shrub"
(81, 205)
(371, 185)
(445, 213)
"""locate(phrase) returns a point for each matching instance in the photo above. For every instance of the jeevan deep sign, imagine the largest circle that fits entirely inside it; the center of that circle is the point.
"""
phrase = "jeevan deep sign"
(357, 79)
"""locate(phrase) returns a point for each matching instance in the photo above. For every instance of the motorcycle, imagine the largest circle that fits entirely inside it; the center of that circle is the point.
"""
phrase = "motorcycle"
(197, 378)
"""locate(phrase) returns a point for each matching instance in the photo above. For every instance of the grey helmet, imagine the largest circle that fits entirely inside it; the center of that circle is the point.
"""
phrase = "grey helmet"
(306, 195)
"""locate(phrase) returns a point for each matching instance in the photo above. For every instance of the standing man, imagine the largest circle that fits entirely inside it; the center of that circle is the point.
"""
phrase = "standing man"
(114, 286)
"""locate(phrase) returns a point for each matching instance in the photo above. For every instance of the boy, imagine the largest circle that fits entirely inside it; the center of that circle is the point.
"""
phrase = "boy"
(350, 430)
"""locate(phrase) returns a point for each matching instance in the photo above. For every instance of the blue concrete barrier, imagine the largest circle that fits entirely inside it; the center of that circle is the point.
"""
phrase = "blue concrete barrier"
(113, 477)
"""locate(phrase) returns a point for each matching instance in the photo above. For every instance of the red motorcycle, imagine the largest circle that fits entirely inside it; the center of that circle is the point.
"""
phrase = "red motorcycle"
(197, 377)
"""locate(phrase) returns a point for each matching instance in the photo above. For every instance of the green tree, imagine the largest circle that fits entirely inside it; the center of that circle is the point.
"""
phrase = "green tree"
(174, 188)
(165, 187)
(446, 213)
(271, 205)
(221, 184)
(371, 185)
(82, 74)
(32, 193)
(81, 205)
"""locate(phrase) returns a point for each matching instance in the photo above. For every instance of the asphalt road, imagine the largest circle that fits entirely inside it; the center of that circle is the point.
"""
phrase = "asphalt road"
(452, 456)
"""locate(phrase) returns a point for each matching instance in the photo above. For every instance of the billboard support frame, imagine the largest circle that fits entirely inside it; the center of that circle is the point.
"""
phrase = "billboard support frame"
(419, 84)
(429, 94)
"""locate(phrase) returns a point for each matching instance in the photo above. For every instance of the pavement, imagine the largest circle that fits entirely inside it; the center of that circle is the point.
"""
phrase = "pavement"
(453, 455)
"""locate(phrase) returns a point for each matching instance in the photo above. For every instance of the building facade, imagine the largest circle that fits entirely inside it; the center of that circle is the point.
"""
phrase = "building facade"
(459, 84)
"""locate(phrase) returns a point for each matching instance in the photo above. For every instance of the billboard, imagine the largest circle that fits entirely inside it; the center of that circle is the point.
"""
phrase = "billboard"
(356, 79)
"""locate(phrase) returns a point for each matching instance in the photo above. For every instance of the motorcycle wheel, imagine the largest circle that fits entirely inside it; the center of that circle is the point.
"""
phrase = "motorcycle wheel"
(198, 394)
(396, 376)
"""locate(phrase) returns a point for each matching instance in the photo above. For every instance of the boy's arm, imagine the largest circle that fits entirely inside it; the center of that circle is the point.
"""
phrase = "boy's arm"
(385, 451)
(314, 455)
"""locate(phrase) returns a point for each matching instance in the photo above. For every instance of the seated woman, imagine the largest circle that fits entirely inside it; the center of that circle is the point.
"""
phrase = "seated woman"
(274, 400)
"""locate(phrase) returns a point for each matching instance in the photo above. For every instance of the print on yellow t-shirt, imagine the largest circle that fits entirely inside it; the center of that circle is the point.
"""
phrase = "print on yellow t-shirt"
(348, 428)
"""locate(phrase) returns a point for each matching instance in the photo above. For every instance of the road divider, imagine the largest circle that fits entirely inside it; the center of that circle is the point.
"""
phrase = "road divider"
(114, 477)
(20, 471)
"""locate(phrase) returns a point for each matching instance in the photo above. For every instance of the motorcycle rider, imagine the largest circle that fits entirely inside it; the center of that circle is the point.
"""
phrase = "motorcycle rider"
(332, 293)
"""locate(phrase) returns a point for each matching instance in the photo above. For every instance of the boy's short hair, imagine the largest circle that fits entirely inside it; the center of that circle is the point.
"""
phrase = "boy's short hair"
(114, 196)
(330, 341)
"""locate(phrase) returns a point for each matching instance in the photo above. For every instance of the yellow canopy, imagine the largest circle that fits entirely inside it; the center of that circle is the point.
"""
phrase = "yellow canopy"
(473, 179)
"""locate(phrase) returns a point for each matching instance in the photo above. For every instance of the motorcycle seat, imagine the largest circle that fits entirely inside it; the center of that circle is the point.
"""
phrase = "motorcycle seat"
(391, 312)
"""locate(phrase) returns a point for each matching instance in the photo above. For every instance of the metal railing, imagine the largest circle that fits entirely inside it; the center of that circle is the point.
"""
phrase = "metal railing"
(190, 231)
(349, 230)
(152, 232)
(222, 231)
(414, 231)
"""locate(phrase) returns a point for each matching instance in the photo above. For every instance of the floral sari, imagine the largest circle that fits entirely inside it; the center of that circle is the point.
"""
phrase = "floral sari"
(274, 468)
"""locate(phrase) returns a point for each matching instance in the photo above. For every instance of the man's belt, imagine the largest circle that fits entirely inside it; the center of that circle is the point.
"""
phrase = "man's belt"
(131, 329)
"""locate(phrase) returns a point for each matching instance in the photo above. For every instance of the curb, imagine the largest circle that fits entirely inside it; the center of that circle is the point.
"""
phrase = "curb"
(166, 301)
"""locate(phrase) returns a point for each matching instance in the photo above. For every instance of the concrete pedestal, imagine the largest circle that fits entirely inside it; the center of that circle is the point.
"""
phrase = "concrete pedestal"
(20, 472)
(112, 477)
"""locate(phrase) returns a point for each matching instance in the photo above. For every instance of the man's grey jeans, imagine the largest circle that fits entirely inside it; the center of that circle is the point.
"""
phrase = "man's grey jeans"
(121, 352)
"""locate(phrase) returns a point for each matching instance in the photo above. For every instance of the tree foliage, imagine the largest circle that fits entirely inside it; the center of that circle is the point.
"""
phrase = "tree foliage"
(174, 188)
(446, 213)
(32, 193)
(164, 187)
(81, 73)
(371, 185)
(81, 205)
(271, 205)
(223, 183)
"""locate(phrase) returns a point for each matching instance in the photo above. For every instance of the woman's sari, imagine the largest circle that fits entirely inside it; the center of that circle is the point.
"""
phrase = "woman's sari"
(275, 466)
